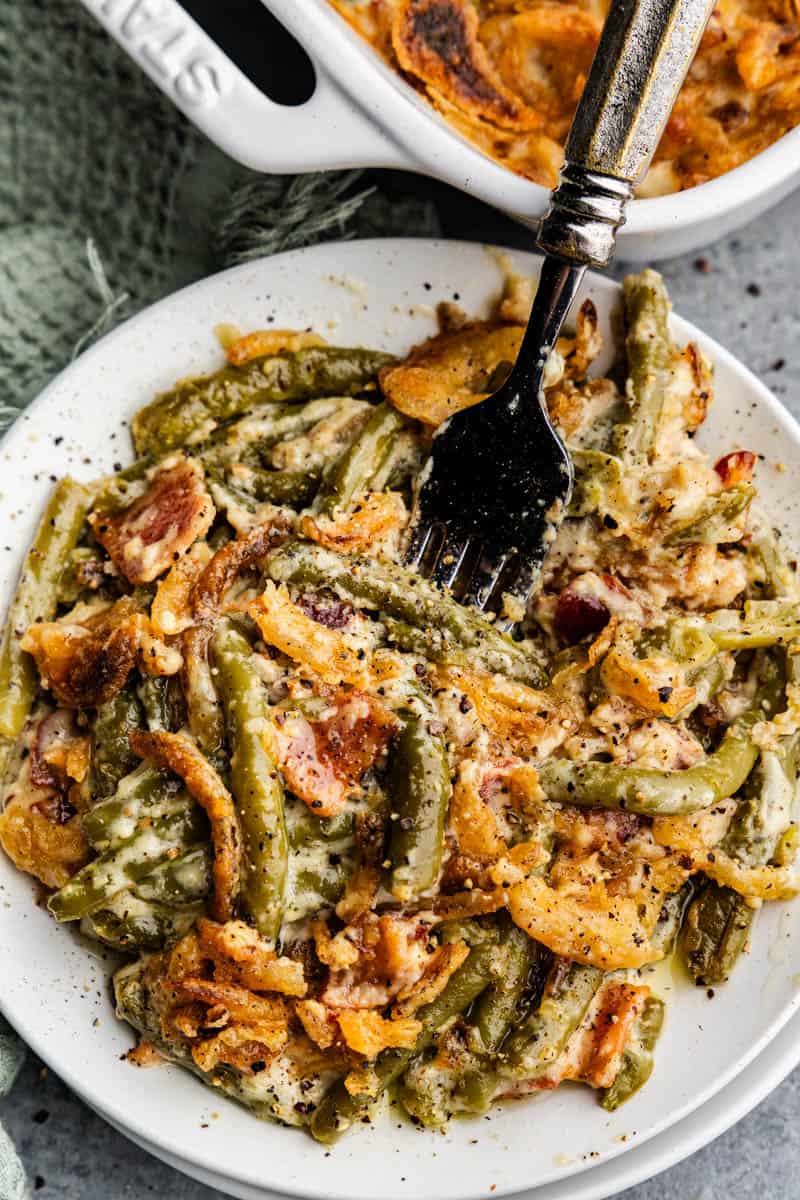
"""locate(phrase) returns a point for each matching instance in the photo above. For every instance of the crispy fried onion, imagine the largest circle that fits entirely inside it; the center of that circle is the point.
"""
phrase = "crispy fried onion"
(147, 536)
(527, 719)
(374, 958)
(241, 955)
(231, 561)
(451, 371)
(363, 1031)
(580, 917)
(692, 838)
(332, 656)
(174, 752)
(437, 41)
(262, 342)
(433, 980)
(373, 519)
(171, 610)
(207, 990)
(366, 1032)
(85, 658)
(323, 760)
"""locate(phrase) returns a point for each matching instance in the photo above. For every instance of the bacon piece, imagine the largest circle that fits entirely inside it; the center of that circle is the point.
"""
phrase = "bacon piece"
(437, 40)
(326, 610)
(323, 761)
(173, 752)
(736, 468)
(152, 532)
(85, 662)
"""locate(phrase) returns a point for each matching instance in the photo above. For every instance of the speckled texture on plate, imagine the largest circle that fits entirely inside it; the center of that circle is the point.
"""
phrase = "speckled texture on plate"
(741, 306)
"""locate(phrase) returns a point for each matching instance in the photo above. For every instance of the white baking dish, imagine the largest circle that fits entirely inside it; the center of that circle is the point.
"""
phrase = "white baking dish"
(363, 114)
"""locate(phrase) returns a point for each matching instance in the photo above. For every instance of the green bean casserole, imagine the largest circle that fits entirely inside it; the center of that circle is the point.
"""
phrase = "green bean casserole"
(353, 839)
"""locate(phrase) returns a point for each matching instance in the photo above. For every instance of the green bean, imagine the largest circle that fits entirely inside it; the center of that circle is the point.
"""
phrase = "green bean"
(403, 594)
(419, 789)
(255, 781)
(349, 475)
(257, 434)
(181, 880)
(494, 1016)
(256, 485)
(340, 1109)
(144, 794)
(779, 576)
(762, 623)
(718, 922)
(129, 861)
(597, 476)
(637, 1059)
(534, 1046)
(321, 860)
(670, 920)
(153, 694)
(652, 792)
(649, 351)
(112, 757)
(174, 417)
(711, 522)
(715, 931)
(132, 925)
(35, 599)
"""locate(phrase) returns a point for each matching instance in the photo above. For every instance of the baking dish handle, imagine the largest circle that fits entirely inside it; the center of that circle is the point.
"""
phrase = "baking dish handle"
(327, 132)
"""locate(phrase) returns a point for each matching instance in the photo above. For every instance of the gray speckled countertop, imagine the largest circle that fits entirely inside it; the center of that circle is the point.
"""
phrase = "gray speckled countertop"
(744, 292)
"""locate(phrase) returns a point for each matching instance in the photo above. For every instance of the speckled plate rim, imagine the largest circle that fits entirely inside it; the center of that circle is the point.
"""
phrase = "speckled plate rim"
(379, 291)
(644, 1162)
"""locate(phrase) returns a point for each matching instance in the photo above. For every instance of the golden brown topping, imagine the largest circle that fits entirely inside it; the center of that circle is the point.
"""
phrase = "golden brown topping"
(262, 342)
(148, 536)
(171, 611)
(367, 1032)
(85, 658)
(451, 371)
(173, 752)
(433, 980)
(241, 955)
(376, 516)
(437, 40)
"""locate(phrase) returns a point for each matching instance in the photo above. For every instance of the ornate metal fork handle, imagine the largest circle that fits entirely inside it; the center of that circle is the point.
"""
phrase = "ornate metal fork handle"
(644, 53)
(499, 476)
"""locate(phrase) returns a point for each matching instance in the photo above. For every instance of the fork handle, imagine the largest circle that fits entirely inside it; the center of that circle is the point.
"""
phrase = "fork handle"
(645, 50)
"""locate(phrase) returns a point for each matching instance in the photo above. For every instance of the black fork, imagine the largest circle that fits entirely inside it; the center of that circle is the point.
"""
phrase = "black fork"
(499, 477)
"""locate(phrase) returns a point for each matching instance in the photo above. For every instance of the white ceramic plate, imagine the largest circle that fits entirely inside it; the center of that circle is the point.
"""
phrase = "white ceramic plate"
(55, 991)
(643, 1162)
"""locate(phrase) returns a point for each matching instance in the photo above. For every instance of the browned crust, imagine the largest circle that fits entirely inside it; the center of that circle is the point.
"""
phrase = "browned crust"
(437, 41)
(173, 752)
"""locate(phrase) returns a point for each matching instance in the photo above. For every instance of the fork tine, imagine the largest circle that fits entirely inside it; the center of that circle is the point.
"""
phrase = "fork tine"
(486, 576)
(421, 536)
(454, 550)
